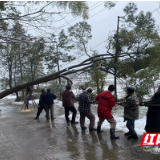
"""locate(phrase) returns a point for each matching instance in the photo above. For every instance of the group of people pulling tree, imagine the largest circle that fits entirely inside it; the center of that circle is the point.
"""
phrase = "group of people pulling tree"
(105, 102)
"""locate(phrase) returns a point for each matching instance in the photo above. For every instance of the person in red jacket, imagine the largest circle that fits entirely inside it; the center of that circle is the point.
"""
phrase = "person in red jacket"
(106, 102)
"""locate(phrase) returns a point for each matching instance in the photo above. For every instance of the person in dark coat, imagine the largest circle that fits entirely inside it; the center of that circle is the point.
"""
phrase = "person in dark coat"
(106, 102)
(27, 97)
(153, 114)
(85, 110)
(68, 104)
(131, 112)
(41, 105)
(49, 101)
(29, 92)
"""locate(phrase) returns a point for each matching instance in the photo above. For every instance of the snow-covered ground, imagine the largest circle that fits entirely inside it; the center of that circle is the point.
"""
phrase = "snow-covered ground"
(11, 98)
(108, 81)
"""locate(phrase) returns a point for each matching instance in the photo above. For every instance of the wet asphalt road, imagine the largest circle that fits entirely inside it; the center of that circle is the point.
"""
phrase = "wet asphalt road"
(22, 138)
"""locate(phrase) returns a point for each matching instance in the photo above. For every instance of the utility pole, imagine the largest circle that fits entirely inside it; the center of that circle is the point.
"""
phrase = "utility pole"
(116, 59)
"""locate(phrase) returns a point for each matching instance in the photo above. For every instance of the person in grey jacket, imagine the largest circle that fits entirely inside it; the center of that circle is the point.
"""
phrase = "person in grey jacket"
(131, 112)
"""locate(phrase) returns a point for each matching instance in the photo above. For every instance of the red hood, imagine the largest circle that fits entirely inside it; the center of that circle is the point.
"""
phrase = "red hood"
(106, 94)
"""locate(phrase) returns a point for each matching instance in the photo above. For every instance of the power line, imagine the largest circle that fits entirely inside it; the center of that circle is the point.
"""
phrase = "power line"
(106, 39)
(61, 18)
(73, 19)
(156, 9)
(97, 13)
(79, 17)
(65, 20)
(88, 11)
(99, 44)
(96, 6)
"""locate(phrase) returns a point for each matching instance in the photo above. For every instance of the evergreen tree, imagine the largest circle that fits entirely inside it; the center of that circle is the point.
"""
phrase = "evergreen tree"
(59, 53)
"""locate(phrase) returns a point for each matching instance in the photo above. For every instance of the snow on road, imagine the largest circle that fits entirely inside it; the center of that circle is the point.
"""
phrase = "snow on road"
(117, 113)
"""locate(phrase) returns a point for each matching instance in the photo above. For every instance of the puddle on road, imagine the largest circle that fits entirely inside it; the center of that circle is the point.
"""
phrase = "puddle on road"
(22, 137)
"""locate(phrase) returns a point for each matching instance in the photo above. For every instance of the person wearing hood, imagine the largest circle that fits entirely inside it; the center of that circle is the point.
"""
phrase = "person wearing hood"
(153, 114)
(106, 102)
(131, 112)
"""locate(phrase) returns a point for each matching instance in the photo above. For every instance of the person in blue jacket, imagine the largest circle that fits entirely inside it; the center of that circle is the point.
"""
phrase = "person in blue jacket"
(48, 99)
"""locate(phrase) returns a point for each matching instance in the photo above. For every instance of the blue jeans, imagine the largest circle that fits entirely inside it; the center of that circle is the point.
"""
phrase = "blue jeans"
(130, 126)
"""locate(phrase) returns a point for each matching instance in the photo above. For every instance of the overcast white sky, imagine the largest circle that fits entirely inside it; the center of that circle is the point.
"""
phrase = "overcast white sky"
(106, 21)
(102, 21)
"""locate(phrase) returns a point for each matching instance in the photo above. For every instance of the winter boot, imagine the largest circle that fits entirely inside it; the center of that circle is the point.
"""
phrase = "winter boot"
(112, 133)
(74, 122)
(127, 134)
(99, 129)
(83, 128)
(92, 129)
(68, 121)
(133, 137)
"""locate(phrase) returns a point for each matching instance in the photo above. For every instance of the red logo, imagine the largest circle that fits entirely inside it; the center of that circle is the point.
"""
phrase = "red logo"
(151, 139)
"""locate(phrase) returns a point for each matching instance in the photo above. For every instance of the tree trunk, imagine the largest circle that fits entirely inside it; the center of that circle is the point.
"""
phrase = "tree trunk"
(38, 81)
(10, 75)
(17, 97)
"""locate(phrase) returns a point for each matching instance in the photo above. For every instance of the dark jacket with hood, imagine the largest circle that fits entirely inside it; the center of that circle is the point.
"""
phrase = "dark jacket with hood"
(153, 114)
(41, 100)
(131, 110)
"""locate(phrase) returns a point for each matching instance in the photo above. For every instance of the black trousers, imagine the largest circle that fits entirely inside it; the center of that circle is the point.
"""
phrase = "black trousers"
(74, 113)
(153, 120)
(40, 110)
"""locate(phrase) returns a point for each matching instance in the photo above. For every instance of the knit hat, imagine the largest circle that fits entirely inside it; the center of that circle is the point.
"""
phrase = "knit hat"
(130, 89)
(89, 90)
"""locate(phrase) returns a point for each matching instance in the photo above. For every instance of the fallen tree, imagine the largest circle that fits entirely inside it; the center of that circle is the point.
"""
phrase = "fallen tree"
(83, 66)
